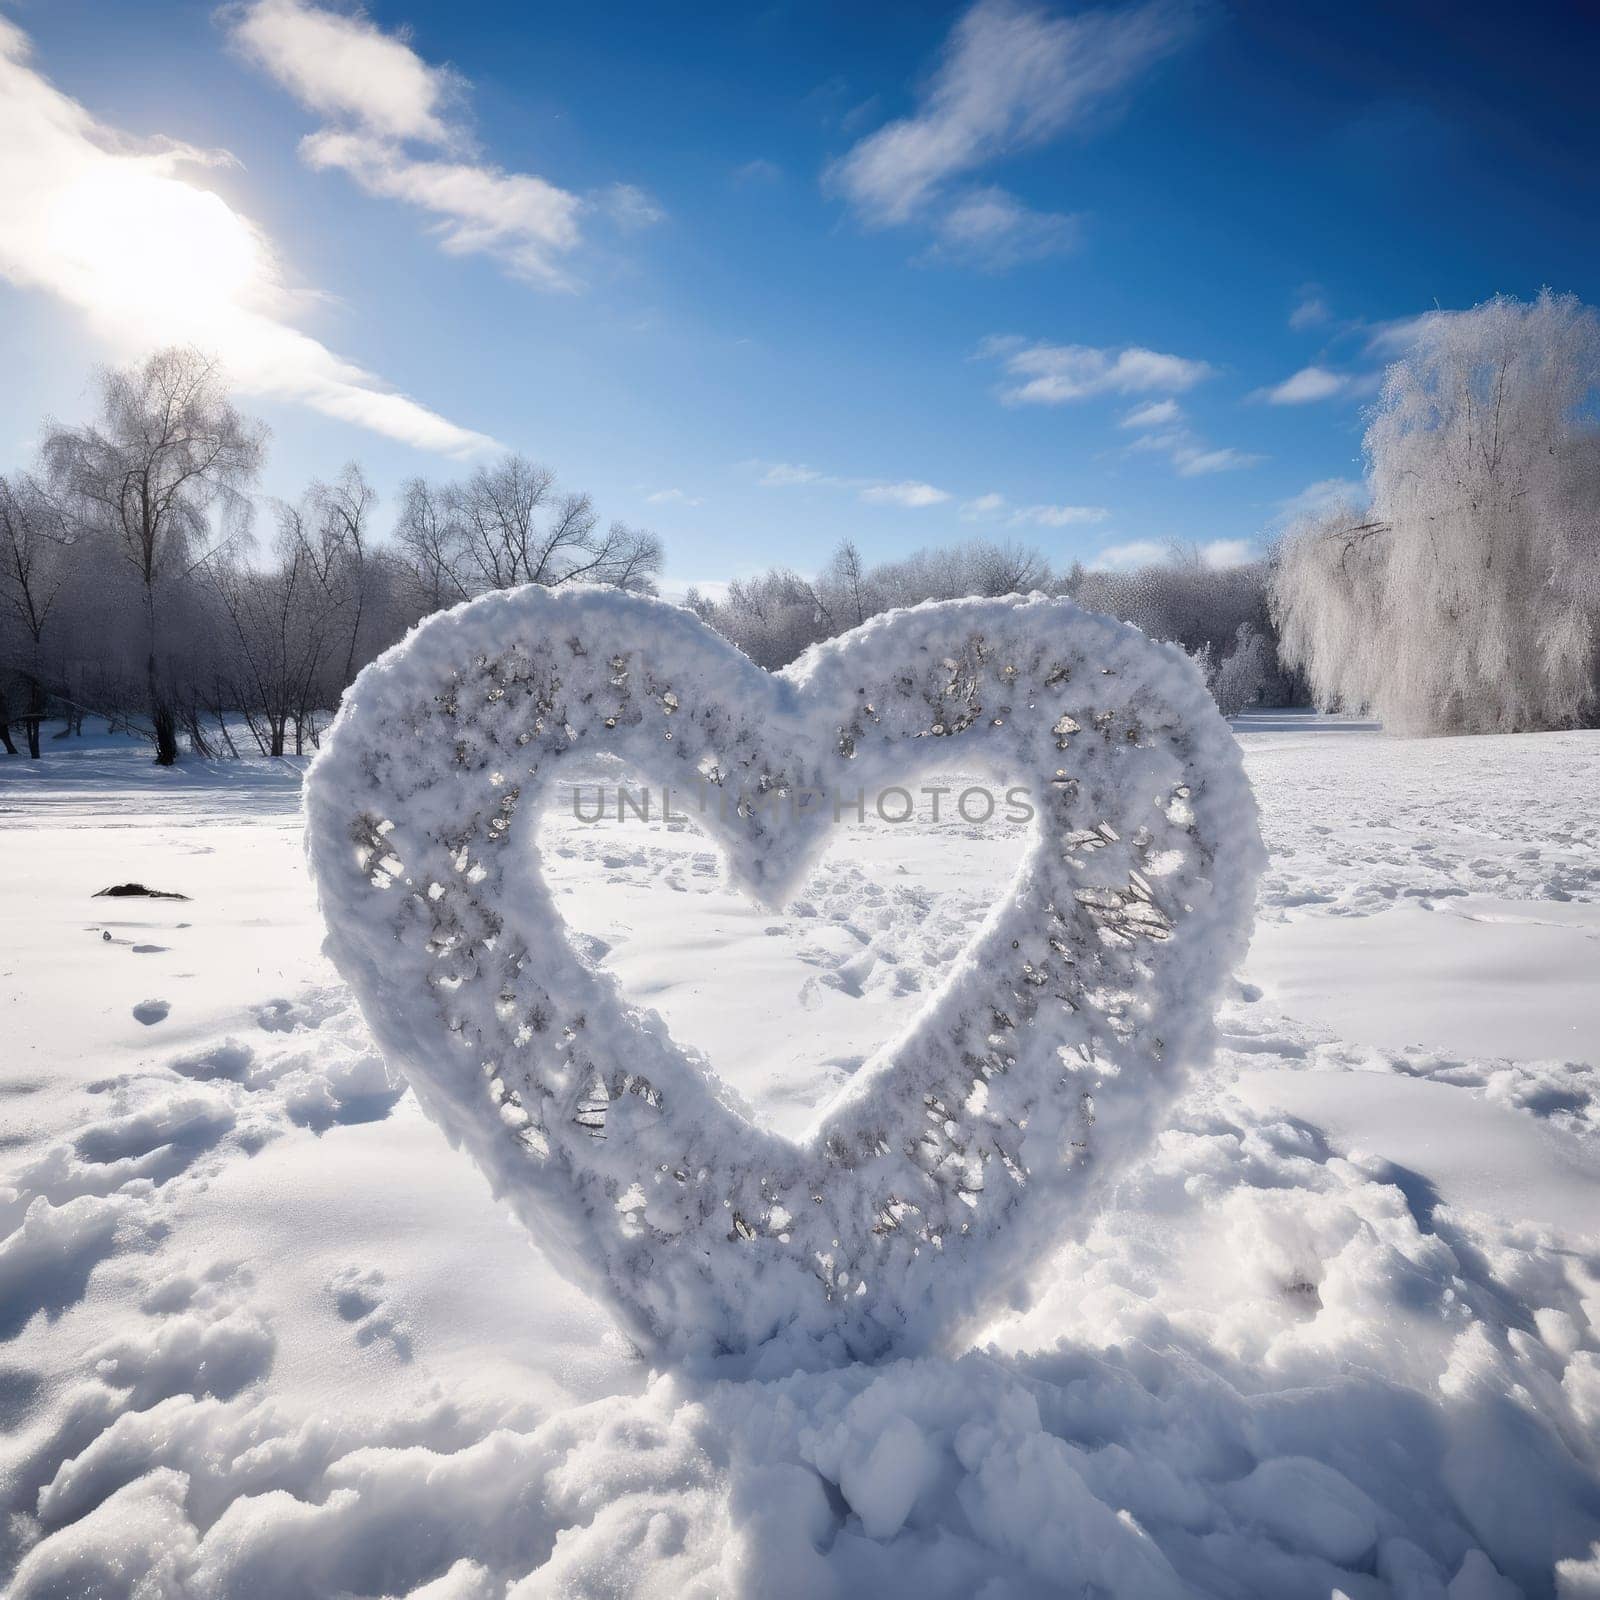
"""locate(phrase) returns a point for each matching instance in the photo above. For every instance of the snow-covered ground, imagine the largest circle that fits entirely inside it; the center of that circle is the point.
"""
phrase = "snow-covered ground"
(263, 1334)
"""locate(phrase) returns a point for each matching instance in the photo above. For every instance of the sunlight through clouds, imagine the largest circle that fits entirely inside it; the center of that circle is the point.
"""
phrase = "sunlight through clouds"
(150, 259)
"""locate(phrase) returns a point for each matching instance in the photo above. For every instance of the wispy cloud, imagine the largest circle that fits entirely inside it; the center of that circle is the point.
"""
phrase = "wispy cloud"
(1193, 461)
(523, 221)
(1011, 77)
(1054, 374)
(1309, 384)
(1397, 336)
(382, 101)
(1153, 414)
(914, 495)
(124, 235)
(1059, 374)
(983, 507)
(786, 474)
(340, 65)
(993, 231)
(670, 497)
(629, 206)
(759, 173)
(1189, 454)
(910, 493)
(996, 508)
(1310, 310)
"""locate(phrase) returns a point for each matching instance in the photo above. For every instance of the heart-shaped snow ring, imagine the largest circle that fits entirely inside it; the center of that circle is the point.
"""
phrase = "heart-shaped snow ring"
(958, 1156)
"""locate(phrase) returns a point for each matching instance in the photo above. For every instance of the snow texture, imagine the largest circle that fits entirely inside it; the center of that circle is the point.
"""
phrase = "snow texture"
(926, 1191)
(264, 1337)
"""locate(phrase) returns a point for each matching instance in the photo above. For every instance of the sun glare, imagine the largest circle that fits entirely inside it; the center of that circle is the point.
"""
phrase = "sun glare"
(147, 245)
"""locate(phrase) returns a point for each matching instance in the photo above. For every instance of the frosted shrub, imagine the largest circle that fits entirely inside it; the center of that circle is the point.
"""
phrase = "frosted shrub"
(1242, 678)
(1468, 600)
(956, 1158)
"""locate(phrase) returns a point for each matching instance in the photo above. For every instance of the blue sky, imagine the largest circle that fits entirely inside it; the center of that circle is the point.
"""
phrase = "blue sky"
(767, 276)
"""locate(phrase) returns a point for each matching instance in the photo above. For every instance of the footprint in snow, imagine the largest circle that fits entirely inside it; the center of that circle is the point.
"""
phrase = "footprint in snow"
(150, 1012)
(361, 1298)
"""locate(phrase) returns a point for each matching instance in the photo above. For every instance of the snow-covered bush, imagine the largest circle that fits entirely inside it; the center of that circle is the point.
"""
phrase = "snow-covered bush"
(1182, 598)
(777, 614)
(1244, 673)
(1468, 599)
(960, 1153)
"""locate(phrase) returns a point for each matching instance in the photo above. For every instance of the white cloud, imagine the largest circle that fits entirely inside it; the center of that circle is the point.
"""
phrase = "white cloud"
(383, 99)
(1012, 77)
(1307, 385)
(148, 258)
(758, 173)
(339, 64)
(910, 494)
(993, 231)
(1126, 557)
(785, 474)
(1154, 414)
(996, 508)
(1189, 454)
(1054, 374)
(1396, 337)
(677, 589)
(1227, 552)
(983, 506)
(630, 207)
(670, 497)
(915, 495)
(522, 220)
(1164, 443)
(1194, 460)
(1058, 516)
(1310, 311)
(1219, 553)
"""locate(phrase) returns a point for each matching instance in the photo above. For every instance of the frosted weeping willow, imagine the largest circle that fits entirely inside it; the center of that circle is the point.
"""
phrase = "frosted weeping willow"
(1468, 599)
(965, 1148)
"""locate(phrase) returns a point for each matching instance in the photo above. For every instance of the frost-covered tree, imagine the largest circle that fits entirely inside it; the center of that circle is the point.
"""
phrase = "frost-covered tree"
(776, 615)
(772, 617)
(130, 584)
(1244, 674)
(160, 481)
(35, 570)
(1183, 598)
(507, 524)
(1468, 599)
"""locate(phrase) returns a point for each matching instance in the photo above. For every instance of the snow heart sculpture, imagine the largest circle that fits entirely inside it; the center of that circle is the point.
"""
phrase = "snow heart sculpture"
(959, 1154)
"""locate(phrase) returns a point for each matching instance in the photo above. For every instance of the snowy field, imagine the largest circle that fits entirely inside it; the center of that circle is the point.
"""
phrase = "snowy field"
(263, 1334)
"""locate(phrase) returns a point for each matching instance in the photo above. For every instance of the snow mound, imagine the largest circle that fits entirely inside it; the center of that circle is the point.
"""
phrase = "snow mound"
(933, 1184)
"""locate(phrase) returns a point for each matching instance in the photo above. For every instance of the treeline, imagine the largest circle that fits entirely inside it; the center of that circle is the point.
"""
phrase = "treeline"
(1220, 615)
(143, 581)
(132, 584)
(137, 580)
